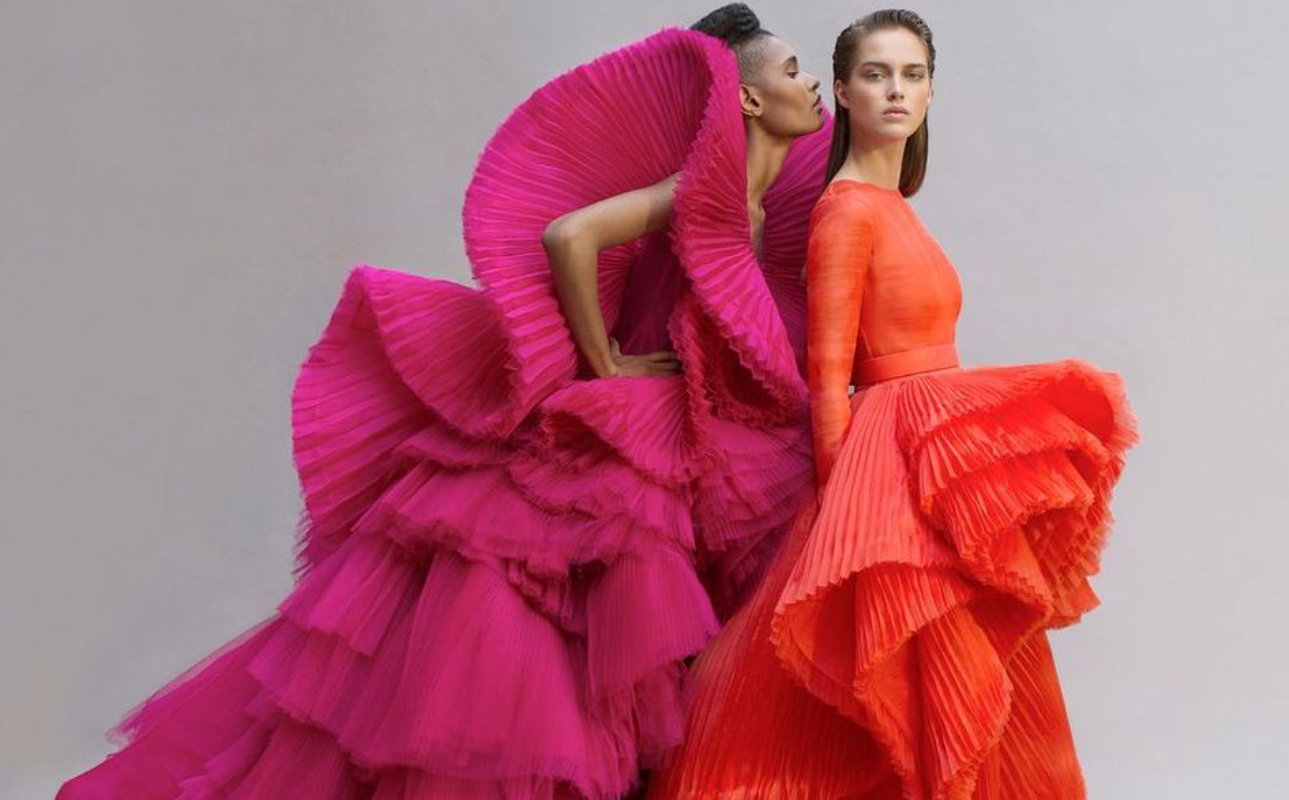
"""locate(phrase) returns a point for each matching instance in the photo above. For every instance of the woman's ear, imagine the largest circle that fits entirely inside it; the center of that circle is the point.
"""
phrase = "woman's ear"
(839, 89)
(750, 101)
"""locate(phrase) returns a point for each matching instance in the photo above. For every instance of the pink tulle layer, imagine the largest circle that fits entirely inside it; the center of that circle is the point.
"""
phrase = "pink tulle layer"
(481, 617)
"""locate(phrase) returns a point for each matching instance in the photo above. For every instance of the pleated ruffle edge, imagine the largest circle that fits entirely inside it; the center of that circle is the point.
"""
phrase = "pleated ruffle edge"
(966, 514)
(897, 649)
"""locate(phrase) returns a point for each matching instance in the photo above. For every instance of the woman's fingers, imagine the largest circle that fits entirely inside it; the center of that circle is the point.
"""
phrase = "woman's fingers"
(664, 366)
(635, 366)
(662, 362)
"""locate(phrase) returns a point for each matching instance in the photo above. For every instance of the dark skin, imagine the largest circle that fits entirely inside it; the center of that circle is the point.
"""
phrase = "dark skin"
(779, 102)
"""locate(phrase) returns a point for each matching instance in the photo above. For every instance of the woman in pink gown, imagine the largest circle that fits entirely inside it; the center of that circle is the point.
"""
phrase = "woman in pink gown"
(505, 563)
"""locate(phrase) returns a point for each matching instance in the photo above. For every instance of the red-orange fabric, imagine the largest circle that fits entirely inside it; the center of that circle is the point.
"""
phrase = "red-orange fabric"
(878, 286)
(897, 649)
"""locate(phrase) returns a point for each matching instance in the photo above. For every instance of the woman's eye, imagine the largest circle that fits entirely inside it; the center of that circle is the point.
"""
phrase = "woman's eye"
(873, 75)
(793, 74)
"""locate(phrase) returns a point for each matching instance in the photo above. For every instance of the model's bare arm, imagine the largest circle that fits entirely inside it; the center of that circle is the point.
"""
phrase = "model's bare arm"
(574, 241)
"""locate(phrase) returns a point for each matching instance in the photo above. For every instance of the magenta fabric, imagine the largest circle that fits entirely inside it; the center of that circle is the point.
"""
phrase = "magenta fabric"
(502, 567)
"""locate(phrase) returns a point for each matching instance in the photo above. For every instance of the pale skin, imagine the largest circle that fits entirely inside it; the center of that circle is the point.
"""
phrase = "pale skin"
(779, 101)
(890, 70)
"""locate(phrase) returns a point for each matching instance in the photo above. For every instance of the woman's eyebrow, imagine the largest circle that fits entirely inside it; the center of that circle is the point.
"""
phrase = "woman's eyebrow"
(885, 65)
(791, 62)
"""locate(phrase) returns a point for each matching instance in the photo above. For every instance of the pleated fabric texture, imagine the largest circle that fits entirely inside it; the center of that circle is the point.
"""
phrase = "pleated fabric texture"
(502, 568)
(897, 649)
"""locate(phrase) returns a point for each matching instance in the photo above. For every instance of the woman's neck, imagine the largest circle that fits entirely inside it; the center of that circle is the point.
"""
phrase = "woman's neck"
(765, 157)
(878, 165)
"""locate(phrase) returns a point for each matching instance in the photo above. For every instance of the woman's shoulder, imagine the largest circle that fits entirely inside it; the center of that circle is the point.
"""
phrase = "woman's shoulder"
(845, 202)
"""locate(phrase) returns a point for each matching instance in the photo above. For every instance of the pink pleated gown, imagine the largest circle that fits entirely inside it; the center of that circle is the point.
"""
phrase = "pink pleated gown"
(504, 566)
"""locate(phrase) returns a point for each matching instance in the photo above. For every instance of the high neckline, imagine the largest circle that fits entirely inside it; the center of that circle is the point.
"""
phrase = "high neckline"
(866, 185)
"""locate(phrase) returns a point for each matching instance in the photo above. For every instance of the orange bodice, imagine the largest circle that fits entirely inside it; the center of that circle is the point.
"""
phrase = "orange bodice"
(883, 301)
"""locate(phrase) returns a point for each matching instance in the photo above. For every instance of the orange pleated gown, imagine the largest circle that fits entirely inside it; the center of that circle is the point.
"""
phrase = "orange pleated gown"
(897, 649)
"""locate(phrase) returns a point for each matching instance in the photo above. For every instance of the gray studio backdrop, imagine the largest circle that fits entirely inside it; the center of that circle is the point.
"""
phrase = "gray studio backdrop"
(183, 187)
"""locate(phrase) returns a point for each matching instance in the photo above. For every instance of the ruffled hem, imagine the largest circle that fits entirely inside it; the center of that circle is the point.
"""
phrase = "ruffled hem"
(419, 668)
(903, 631)
(399, 354)
(986, 508)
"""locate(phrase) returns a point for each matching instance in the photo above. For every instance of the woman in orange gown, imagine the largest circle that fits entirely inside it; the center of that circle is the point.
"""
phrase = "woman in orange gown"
(897, 649)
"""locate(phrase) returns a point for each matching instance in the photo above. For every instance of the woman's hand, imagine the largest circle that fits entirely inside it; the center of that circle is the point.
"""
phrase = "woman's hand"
(663, 362)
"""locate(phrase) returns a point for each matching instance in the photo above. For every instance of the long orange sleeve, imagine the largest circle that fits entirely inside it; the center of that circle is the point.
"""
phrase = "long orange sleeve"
(837, 260)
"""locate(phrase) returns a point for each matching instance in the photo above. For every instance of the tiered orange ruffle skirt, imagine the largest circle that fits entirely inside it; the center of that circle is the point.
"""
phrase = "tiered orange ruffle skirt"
(897, 649)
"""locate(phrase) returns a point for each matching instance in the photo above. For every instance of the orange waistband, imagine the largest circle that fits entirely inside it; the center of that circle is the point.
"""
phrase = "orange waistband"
(905, 362)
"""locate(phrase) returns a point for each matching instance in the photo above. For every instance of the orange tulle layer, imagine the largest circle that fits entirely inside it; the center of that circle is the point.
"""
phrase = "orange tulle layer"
(898, 648)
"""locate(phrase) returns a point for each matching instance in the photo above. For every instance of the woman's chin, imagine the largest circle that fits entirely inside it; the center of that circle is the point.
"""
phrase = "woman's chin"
(899, 125)
(816, 121)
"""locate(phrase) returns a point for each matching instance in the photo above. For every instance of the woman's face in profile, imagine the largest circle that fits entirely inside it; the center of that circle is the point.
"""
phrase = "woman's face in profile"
(888, 90)
(788, 98)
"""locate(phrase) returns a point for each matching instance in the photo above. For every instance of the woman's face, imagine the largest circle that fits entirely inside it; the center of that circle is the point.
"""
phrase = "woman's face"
(888, 90)
(780, 97)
